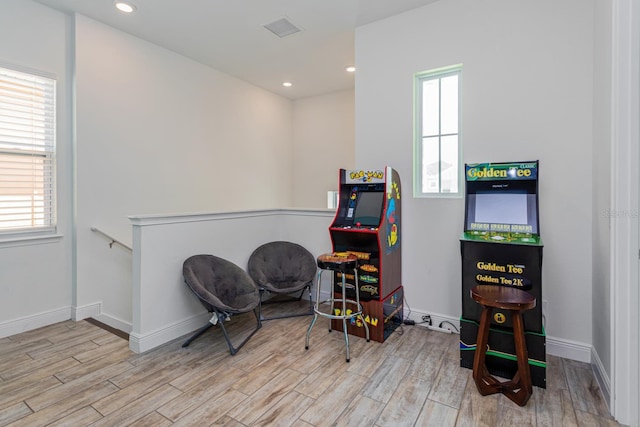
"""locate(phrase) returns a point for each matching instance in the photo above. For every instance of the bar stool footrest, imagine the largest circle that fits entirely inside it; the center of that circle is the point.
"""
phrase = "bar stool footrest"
(349, 316)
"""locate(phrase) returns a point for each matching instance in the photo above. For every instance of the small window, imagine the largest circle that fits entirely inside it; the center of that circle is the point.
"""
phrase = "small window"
(27, 148)
(437, 132)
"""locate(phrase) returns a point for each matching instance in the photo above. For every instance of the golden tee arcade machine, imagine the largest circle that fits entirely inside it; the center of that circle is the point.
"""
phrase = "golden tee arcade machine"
(501, 245)
(367, 224)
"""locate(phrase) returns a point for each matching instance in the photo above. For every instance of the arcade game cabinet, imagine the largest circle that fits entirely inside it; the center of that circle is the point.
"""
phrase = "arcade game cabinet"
(367, 224)
(501, 245)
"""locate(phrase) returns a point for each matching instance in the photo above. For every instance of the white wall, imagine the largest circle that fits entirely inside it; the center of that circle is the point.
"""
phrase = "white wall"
(601, 182)
(35, 278)
(159, 133)
(164, 308)
(527, 94)
(324, 142)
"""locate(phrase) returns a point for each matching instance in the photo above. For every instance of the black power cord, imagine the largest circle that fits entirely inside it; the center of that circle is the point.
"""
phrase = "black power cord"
(425, 319)
(410, 322)
(448, 323)
(407, 321)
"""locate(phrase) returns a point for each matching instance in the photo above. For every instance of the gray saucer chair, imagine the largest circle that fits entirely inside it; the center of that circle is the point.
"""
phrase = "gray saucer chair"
(283, 268)
(224, 289)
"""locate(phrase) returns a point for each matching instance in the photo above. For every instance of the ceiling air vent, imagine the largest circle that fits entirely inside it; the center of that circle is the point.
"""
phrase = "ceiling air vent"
(282, 27)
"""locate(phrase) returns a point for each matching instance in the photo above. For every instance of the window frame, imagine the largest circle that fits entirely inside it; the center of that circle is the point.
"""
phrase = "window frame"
(47, 152)
(418, 80)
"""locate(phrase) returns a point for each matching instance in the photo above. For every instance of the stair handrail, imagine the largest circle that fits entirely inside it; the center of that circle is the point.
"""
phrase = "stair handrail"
(113, 240)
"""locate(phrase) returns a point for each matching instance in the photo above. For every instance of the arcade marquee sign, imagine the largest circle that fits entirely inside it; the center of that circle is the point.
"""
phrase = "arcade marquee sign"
(491, 172)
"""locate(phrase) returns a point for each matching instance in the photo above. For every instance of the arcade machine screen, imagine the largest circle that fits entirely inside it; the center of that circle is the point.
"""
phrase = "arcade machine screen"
(368, 211)
(509, 208)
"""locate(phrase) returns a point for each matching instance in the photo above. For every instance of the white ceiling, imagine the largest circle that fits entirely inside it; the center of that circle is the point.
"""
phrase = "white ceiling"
(228, 35)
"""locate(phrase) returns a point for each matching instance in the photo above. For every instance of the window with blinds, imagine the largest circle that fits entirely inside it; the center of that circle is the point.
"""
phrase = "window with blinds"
(27, 152)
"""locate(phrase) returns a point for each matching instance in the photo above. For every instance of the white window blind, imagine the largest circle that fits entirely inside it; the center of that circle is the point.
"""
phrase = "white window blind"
(27, 152)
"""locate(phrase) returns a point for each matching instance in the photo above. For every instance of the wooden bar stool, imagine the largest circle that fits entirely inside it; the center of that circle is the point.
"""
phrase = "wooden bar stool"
(517, 301)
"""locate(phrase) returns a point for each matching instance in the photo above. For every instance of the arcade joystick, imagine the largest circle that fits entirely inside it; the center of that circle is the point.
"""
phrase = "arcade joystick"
(358, 224)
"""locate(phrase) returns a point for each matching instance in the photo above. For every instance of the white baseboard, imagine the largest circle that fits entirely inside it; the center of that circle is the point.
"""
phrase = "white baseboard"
(139, 343)
(95, 311)
(556, 347)
(85, 311)
(438, 321)
(324, 295)
(569, 349)
(34, 321)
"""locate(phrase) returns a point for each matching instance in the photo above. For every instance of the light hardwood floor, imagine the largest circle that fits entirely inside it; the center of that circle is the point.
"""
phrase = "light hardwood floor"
(77, 374)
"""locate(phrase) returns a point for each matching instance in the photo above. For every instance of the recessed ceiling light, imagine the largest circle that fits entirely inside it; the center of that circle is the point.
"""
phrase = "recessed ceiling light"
(125, 7)
(351, 69)
(287, 84)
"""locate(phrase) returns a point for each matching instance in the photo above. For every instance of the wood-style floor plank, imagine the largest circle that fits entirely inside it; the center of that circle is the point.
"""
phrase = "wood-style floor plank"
(226, 421)
(405, 404)
(584, 389)
(55, 394)
(140, 407)
(477, 410)
(77, 374)
(208, 389)
(28, 391)
(68, 405)
(83, 369)
(385, 381)
(38, 334)
(362, 411)
(79, 344)
(262, 373)
(437, 414)
(586, 419)
(153, 419)
(36, 374)
(450, 383)
(286, 411)
(14, 412)
(555, 408)
(427, 365)
(556, 379)
(7, 363)
(336, 398)
(318, 381)
(82, 417)
(266, 396)
(16, 348)
(145, 385)
(213, 410)
(513, 415)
